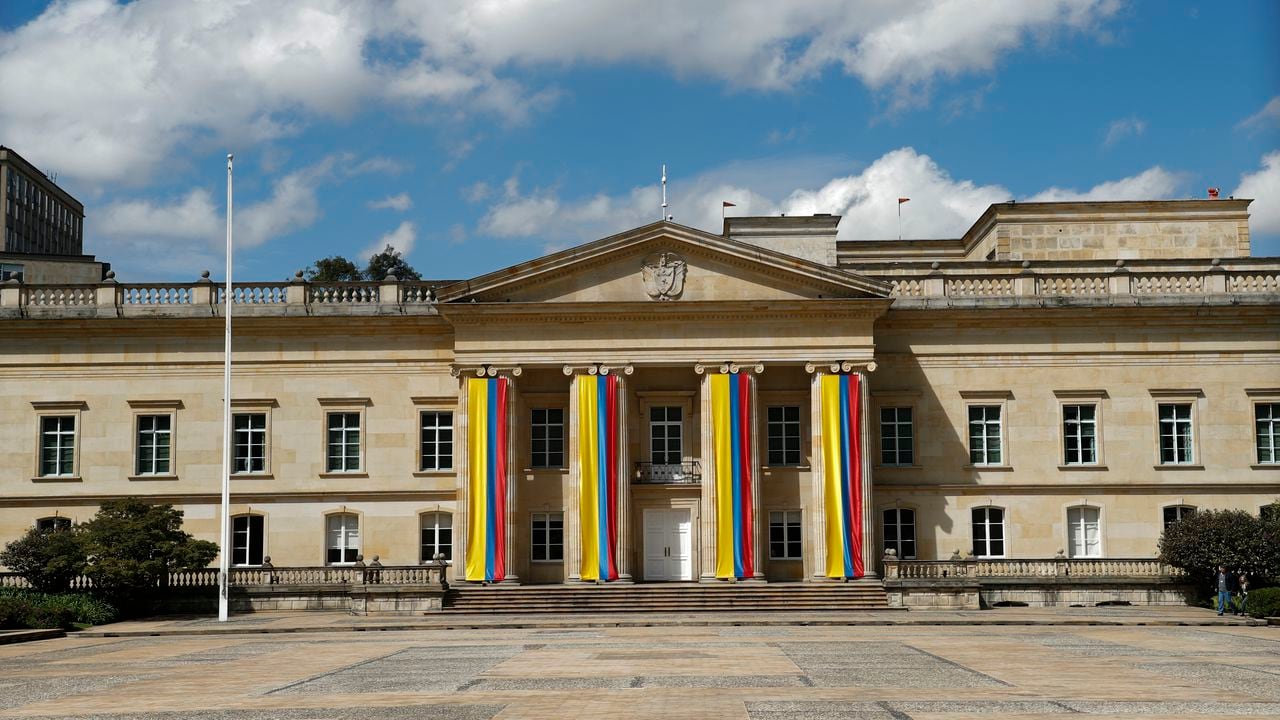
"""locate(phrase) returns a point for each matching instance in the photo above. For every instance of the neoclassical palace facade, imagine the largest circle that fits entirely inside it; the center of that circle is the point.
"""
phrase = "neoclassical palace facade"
(765, 404)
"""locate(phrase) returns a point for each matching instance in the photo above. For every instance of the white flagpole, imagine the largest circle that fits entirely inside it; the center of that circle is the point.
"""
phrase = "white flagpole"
(224, 551)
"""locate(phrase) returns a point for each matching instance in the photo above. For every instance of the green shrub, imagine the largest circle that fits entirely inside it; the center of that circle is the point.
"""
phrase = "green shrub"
(1241, 541)
(48, 559)
(133, 546)
(82, 609)
(21, 612)
(1264, 602)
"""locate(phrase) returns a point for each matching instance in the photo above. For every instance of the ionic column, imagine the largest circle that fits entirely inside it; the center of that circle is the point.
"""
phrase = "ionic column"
(816, 514)
(462, 424)
(710, 496)
(573, 520)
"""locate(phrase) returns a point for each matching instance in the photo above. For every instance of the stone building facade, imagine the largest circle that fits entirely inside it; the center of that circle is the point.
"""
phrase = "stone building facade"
(1065, 378)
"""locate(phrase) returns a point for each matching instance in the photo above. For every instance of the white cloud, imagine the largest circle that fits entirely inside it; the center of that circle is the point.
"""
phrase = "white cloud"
(402, 239)
(1263, 187)
(940, 206)
(105, 91)
(1152, 184)
(399, 203)
(1267, 117)
(194, 217)
(1123, 128)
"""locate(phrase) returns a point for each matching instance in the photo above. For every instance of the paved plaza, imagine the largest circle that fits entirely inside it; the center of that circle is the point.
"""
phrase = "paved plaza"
(755, 672)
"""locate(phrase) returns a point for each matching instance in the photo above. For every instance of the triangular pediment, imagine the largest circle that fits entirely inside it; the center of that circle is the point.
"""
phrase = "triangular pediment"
(664, 262)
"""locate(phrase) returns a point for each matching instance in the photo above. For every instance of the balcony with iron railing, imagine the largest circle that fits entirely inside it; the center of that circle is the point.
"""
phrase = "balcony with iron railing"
(688, 472)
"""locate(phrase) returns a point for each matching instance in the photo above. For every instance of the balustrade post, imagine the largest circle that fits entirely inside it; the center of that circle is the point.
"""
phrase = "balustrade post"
(1216, 281)
(11, 293)
(1024, 285)
(891, 564)
(296, 293)
(389, 291)
(108, 293)
(202, 292)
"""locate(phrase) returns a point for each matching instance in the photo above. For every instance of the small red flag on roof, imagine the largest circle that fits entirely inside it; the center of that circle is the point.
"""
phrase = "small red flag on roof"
(729, 204)
(902, 200)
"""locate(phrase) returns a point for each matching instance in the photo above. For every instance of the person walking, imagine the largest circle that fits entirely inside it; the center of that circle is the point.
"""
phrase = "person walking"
(1242, 584)
(1223, 582)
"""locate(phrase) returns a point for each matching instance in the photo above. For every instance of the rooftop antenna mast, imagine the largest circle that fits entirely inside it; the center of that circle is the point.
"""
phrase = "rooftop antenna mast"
(664, 193)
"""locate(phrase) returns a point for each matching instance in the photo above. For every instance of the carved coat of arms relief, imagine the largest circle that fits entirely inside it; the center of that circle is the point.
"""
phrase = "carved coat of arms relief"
(664, 275)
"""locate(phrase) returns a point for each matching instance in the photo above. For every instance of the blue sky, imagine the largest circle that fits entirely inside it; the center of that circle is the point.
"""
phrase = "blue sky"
(476, 136)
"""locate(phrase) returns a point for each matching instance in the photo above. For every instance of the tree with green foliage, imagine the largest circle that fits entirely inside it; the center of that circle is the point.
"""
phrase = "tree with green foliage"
(390, 262)
(133, 546)
(48, 559)
(340, 269)
(1239, 540)
(334, 269)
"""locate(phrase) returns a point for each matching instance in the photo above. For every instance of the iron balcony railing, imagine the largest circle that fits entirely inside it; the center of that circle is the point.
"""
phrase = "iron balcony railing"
(681, 473)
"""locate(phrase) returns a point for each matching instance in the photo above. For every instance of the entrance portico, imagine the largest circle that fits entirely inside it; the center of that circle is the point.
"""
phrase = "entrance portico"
(662, 433)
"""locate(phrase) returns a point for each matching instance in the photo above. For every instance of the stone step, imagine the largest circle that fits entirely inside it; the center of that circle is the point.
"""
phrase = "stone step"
(668, 598)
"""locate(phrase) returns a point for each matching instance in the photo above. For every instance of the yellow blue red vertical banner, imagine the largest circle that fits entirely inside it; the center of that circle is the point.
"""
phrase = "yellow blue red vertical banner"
(733, 457)
(841, 413)
(487, 402)
(598, 475)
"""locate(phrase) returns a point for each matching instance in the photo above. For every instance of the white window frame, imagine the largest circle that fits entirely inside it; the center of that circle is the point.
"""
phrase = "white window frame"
(1068, 398)
(896, 423)
(248, 535)
(443, 462)
(1083, 523)
(898, 526)
(434, 404)
(988, 398)
(1074, 429)
(143, 408)
(253, 406)
(1181, 510)
(789, 520)
(782, 427)
(344, 406)
(73, 409)
(434, 528)
(140, 443)
(1004, 530)
(667, 424)
(343, 535)
(1179, 396)
(986, 423)
(547, 426)
(1271, 398)
(546, 545)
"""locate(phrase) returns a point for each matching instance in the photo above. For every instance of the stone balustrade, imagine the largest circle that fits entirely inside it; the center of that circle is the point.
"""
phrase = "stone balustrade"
(1059, 567)
(319, 576)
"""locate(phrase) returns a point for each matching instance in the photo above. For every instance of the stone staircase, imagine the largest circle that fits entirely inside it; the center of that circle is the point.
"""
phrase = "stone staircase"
(668, 598)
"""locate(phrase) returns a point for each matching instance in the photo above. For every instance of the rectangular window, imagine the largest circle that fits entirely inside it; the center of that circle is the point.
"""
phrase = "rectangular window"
(985, 446)
(10, 272)
(1175, 434)
(1174, 513)
(1267, 432)
(548, 537)
(1084, 533)
(153, 444)
(547, 428)
(246, 540)
(784, 535)
(53, 524)
(784, 434)
(436, 440)
(57, 445)
(988, 532)
(1079, 434)
(437, 536)
(897, 436)
(342, 538)
(344, 442)
(666, 430)
(900, 532)
(250, 442)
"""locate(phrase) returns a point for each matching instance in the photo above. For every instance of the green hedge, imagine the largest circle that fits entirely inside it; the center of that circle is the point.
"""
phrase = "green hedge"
(29, 609)
(1264, 602)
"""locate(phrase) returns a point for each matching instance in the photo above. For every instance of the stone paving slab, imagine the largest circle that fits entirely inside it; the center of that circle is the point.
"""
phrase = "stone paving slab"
(748, 672)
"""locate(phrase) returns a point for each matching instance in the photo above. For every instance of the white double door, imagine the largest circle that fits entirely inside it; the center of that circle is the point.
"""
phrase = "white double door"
(668, 544)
